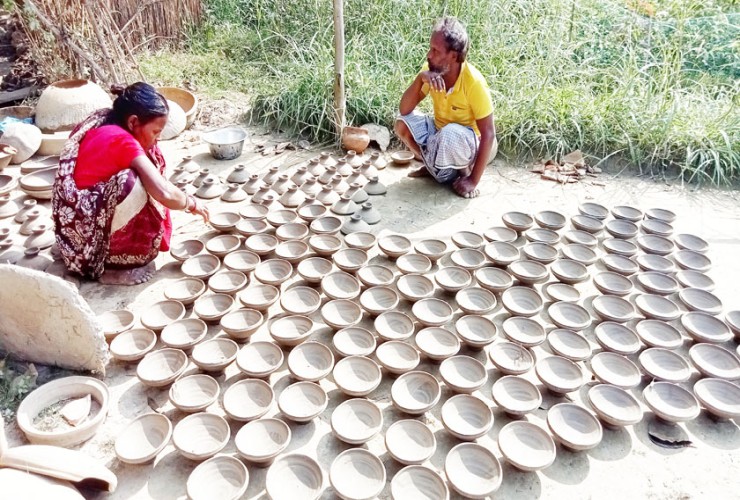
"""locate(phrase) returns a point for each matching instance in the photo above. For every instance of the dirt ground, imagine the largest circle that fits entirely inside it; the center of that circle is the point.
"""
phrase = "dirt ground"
(625, 465)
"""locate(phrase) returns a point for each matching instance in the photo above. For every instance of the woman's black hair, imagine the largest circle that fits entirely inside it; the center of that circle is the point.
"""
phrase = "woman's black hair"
(140, 99)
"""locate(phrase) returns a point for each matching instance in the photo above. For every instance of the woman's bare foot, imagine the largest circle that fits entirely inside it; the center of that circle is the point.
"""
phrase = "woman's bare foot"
(420, 172)
(134, 276)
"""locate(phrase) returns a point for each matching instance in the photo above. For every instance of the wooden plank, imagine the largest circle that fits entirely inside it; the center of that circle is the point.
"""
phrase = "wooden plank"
(16, 95)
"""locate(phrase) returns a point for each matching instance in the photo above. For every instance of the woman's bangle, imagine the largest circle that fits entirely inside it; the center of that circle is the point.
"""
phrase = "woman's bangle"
(189, 204)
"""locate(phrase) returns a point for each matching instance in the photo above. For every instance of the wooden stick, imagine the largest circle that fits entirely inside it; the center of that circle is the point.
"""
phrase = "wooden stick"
(123, 41)
(101, 42)
(340, 100)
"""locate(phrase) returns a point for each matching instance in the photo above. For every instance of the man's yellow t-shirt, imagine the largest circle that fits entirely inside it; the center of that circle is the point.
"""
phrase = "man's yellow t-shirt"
(468, 101)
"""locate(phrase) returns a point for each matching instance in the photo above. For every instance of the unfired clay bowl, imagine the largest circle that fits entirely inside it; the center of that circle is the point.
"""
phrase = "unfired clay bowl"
(695, 279)
(223, 244)
(215, 355)
(248, 399)
(474, 300)
(550, 219)
(518, 221)
(453, 278)
(354, 341)
(280, 217)
(241, 260)
(289, 331)
(431, 312)
(213, 307)
(526, 446)
(493, 279)
(273, 271)
(160, 314)
(468, 239)
(433, 249)
(186, 290)
(522, 301)
(468, 258)
(657, 263)
(466, 417)
(436, 343)
(184, 333)
(361, 240)
(375, 275)
(593, 210)
(292, 251)
(312, 212)
(655, 333)
(610, 283)
(350, 260)
(715, 361)
(526, 332)
(580, 238)
(397, 356)
(410, 442)
(292, 231)
(261, 244)
(222, 476)
(510, 358)
(703, 327)
(160, 368)
(569, 271)
(341, 313)
(356, 421)
(249, 227)
(568, 315)
(185, 249)
(662, 364)
(194, 393)
(657, 283)
(569, 344)
(528, 272)
(559, 375)
(616, 337)
(418, 482)
(357, 474)
(620, 264)
(253, 212)
(415, 392)
(611, 308)
(615, 369)
(500, 233)
(473, 470)
(132, 345)
(541, 252)
(261, 441)
(394, 245)
(201, 435)
(574, 427)
(228, 282)
(413, 263)
(357, 375)
(517, 396)
(259, 297)
(720, 397)
(657, 307)
(301, 300)
(259, 359)
(241, 324)
(691, 242)
(303, 401)
(224, 221)
(614, 406)
(201, 266)
(700, 300)
(394, 325)
(413, 287)
(463, 374)
(501, 253)
(324, 244)
(143, 438)
(671, 402)
(313, 269)
(379, 299)
(620, 247)
(310, 361)
(340, 285)
(294, 476)
(116, 322)
(476, 331)
(622, 229)
(587, 224)
(692, 261)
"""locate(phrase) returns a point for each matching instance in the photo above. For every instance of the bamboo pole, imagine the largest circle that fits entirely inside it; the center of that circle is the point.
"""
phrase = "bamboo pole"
(101, 41)
(340, 102)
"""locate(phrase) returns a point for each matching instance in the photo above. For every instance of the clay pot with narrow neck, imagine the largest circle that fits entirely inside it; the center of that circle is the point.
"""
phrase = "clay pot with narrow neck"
(300, 176)
(368, 170)
(202, 175)
(357, 193)
(253, 184)
(369, 213)
(339, 185)
(28, 206)
(33, 219)
(263, 192)
(292, 198)
(239, 175)
(281, 184)
(8, 207)
(354, 224)
(40, 238)
(311, 186)
(378, 161)
(327, 196)
(270, 176)
(315, 168)
(354, 157)
(343, 168)
(180, 174)
(9, 254)
(357, 178)
(326, 160)
(268, 200)
(234, 194)
(189, 165)
(374, 187)
(33, 260)
(209, 189)
(327, 176)
(345, 206)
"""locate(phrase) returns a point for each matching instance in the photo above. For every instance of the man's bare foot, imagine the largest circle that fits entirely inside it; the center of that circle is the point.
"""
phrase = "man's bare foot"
(464, 187)
(134, 276)
(420, 172)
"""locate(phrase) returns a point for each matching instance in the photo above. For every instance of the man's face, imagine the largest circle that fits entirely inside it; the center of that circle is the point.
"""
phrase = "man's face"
(439, 58)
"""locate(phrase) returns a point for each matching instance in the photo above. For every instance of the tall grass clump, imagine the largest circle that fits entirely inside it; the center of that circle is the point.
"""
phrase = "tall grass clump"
(655, 83)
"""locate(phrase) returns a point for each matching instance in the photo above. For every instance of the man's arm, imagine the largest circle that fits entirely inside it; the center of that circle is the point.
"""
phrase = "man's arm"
(467, 184)
(414, 94)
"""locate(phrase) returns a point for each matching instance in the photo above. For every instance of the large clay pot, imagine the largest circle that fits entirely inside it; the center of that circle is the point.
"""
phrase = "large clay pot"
(176, 122)
(24, 137)
(64, 104)
(186, 100)
(355, 139)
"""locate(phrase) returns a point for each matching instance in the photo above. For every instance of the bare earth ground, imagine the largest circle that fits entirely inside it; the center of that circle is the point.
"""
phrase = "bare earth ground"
(625, 465)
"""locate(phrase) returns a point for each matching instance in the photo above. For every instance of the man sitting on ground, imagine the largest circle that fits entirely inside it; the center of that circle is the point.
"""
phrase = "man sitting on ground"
(458, 142)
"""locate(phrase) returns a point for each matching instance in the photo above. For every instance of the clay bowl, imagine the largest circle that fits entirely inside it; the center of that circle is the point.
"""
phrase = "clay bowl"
(292, 251)
(523, 331)
(671, 402)
(357, 474)
(379, 299)
(184, 333)
(540, 252)
(432, 249)
(303, 401)
(568, 315)
(213, 307)
(259, 359)
(453, 278)
(300, 300)
(324, 244)
(247, 400)
(224, 221)
(732, 319)
(314, 269)
(356, 421)
(626, 212)
(431, 312)
(116, 322)
(703, 327)
(622, 229)
(655, 333)
(259, 297)
(310, 213)
(500, 233)
(223, 244)
(493, 279)
(215, 355)
(614, 406)
(720, 397)
(610, 283)
(340, 285)
(375, 275)
(463, 374)
(291, 231)
(132, 345)
(653, 244)
(201, 436)
(223, 474)
(395, 325)
(183, 250)
(526, 446)
(468, 239)
(559, 375)
(529, 272)
(240, 324)
(580, 238)
(273, 271)
(394, 245)
(550, 219)
(289, 331)
(354, 341)
(692, 261)
(357, 375)
(662, 364)
(540, 235)
(695, 279)
(574, 427)
(654, 226)
(397, 357)
(402, 157)
(610, 308)
(415, 392)
(657, 307)
(185, 290)
(160, 314)
(160, 368)
(517, 396)
(468, 258)
(569, 271)
(341, 313)
(593, 210)
(417, 481)
(620, 264)
(619, 247)
(194, 393)
(261, 441)
(691, 242)
(587, 224)
(616, 337)
(569, 344)
(518, 221)
(241, 260)
(660, 214)
(656, 263)
(361, 240)
(413, 287)
(476, 331)
(350, 260)
(252, 211)
(294, 476)
(700, 300)
(715, 361)
(228, 282)
(615, 369)
(250, 227)
(657, 283)
(410, 442)
(261, 244)
(437, 344)
(522, 301)
(277, 218)
(143, 438)
(510, 358)
(466, 417)
(413, 263)
(310, 361)
(201, 266)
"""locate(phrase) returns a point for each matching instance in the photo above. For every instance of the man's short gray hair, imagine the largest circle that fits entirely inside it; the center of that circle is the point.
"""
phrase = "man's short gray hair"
(456, 38)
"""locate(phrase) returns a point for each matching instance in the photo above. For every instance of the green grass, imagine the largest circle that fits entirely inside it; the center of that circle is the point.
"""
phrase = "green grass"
(660, 90)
